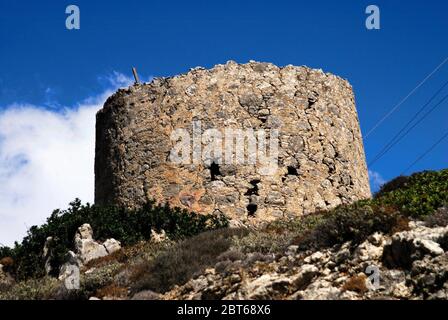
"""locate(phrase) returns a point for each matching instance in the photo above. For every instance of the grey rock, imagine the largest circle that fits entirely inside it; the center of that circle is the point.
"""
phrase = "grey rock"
(47, 254)
(146, 295)
(87, 249)
(318, 290)
(112, 245)
(408, 246)
(305, 276)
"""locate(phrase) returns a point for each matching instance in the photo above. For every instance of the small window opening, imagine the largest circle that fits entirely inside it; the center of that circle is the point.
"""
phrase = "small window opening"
(251, 209)
(214, 171)
(292, 171)
(254, 189)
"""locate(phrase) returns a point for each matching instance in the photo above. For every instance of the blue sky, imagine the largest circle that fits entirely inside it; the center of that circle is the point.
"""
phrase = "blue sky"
(51, 68)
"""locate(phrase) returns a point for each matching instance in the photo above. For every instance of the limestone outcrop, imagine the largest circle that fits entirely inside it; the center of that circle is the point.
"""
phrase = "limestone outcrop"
(343, 272)
(88, 249)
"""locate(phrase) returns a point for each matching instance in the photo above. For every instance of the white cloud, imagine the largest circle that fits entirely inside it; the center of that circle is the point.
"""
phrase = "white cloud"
(46, 160)
(376, 180)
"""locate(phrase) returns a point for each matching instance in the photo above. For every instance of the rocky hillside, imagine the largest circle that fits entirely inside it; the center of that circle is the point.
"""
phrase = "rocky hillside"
(410, 264)
(393, 246)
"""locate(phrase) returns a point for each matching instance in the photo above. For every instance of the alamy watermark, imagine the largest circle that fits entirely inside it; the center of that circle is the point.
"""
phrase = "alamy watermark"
(73, 21)
(373, 20)
(230, 146)
(374, 276)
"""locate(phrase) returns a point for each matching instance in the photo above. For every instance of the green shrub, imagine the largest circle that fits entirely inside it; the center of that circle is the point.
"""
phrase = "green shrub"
(421, 194)
(181, 262)
(395, 184)
(33, 289)
(352, 223)
(263, 242)
(418, 195)
(97, 279)
(127, 226)
(276, 236)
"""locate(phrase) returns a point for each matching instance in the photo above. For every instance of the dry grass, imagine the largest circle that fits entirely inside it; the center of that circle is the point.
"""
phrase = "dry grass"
(356, 283)
(118, 256)
(113, 291)
(7, 262)
(353, 223)
(183, 261)
(402, 224)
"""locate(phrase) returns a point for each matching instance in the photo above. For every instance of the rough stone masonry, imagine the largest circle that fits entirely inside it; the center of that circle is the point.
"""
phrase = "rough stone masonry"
(321, 161)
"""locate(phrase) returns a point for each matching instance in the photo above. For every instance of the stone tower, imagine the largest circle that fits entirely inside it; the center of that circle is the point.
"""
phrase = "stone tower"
(319, 163)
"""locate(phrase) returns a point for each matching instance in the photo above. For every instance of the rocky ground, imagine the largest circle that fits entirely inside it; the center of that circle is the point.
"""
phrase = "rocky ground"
(408, 265)
(394, 246)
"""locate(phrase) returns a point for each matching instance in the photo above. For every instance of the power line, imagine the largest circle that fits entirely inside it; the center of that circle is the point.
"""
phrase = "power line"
(404, 99)
(425, 153)
(419, 121)
(393, 141)
(397, 138)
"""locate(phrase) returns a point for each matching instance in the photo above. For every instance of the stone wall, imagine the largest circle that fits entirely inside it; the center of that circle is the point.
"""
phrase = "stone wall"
(321, 160)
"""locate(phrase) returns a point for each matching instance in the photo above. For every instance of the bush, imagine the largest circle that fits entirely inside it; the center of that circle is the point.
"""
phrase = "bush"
(324, 229)
(276, 236)
(184, 260)
(231, 259)
(127, 226)
(33, 289)
(395, 184)
(418, 195)
(99, 278)
(231, 255)
(263, 242)
(112, 291)
(354, 223)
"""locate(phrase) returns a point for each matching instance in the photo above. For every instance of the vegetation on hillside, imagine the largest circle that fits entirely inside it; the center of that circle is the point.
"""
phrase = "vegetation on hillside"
(403, 198)
(417, 195)
(142, 266)
(127, 226)
(184, 260)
